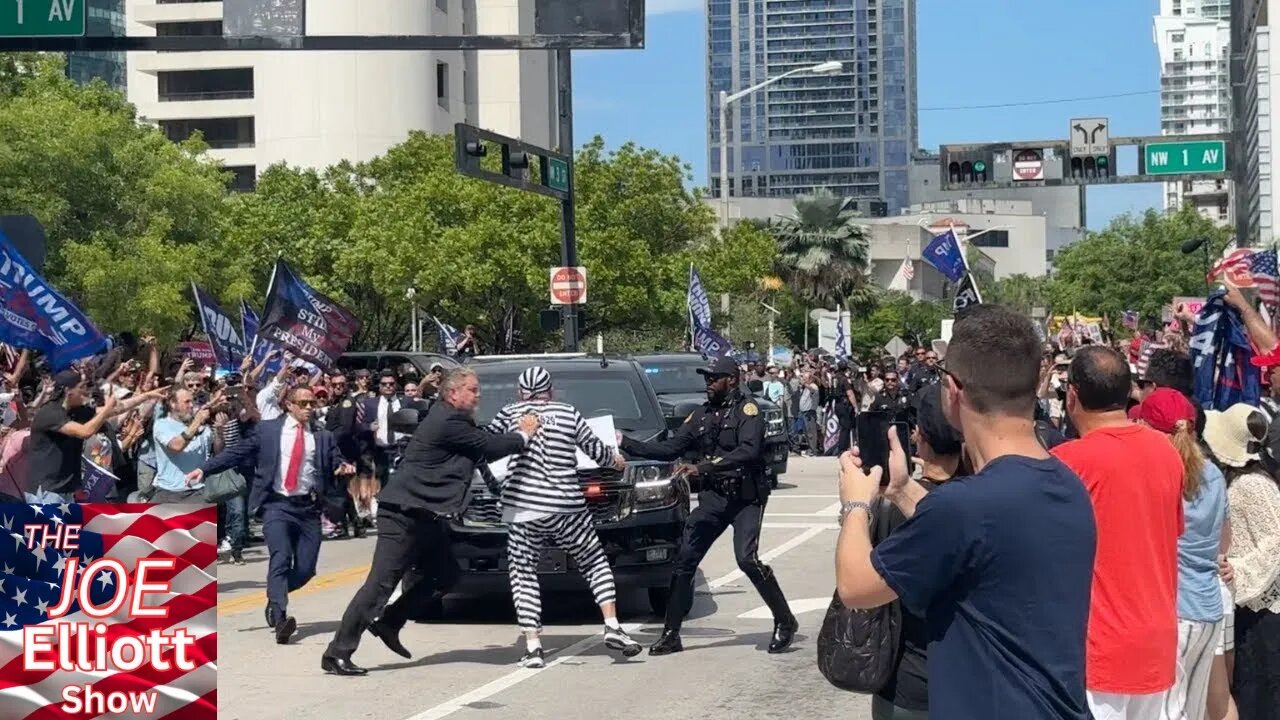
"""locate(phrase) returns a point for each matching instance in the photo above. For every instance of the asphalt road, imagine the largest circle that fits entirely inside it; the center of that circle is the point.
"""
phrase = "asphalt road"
(464, 667)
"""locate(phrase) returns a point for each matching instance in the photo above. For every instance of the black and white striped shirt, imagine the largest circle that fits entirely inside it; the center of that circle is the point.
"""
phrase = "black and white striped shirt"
(544, 477)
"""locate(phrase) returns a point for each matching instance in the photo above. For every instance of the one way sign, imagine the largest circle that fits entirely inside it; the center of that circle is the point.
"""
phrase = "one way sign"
(1089, 137)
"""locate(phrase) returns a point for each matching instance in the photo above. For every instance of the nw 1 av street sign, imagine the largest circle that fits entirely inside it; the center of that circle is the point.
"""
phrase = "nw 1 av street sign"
(42, 18)
(1177, 158)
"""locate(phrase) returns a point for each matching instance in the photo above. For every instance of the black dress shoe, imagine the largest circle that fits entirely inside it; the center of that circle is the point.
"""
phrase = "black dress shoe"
(285, 629)
(667, 644)
(340, 666)
(271, 621)
(783, 633)
(389, 637)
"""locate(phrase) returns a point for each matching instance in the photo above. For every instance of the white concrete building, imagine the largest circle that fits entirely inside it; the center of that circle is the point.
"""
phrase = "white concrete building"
(313, 109)
(1255, 129)
(1016, 239)
(1194, 38)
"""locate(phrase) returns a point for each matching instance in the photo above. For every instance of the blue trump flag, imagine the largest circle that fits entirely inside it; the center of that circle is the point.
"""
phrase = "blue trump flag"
(33, 315)
(448, 336)
(300, 318)
(709, 343)
(699, 303)
(943, 252)
(228, 346)
(842, 342)
(258, 347)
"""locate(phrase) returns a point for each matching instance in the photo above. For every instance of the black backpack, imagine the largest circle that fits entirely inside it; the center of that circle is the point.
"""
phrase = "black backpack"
(858, 649)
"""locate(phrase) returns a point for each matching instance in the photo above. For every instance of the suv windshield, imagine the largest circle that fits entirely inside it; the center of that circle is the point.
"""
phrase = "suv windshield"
(593, 393)
(672, 377)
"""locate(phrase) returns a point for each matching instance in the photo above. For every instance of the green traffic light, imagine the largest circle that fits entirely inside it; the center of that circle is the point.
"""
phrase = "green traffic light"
(979, 166)
(1102, 161)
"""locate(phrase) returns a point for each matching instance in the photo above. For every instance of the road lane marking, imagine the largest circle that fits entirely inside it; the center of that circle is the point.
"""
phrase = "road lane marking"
(798, 607)
(320, 583)
(800, 526)
(831, 509)
(516, 677)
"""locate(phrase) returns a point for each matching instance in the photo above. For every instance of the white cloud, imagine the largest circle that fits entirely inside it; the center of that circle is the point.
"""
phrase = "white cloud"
(663, 7)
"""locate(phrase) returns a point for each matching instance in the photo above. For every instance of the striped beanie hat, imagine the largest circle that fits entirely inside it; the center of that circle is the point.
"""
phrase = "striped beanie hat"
(534, 381)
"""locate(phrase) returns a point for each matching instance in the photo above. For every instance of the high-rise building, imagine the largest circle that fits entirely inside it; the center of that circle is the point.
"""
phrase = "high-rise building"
(1194, 40)
(104, 17)
(314, 109)
(851, 132)
(1254, 127)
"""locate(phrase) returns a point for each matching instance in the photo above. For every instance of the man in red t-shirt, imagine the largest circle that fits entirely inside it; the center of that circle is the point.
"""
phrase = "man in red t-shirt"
(1134, 478)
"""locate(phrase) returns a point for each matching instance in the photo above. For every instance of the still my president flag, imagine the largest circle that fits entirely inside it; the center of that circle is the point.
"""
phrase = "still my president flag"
(31, 584)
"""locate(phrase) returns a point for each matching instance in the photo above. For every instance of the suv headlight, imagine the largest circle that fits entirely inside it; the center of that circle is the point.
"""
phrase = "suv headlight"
(774, 423)
(651, 482)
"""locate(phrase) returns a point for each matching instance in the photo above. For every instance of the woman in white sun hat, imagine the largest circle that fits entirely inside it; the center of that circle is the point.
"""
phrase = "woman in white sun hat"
(1234, 436)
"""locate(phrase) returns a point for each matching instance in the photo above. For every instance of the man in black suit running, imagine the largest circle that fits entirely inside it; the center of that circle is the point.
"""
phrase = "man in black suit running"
(430, 486)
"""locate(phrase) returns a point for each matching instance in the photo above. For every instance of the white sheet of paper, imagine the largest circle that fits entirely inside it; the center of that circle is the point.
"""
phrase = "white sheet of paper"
(603, 428)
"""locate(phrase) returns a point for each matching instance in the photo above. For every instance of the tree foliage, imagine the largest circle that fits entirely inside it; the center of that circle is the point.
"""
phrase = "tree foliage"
(898, 315)
(1134, 264)
(823, 252)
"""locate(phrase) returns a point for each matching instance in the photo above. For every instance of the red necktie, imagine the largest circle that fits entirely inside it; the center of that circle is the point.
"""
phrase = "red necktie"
(295, 461)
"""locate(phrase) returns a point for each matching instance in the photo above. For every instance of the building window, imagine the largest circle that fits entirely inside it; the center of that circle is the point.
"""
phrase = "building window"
(244, 178)
(222, 84)
(219, 133)
(442, 84)
(992, 239)
(200, 28)
(443, 5)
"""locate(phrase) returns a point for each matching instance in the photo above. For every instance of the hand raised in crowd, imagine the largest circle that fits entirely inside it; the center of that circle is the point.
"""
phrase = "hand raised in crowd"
(147, 340)
(246, 364)
(862, 484)
(202, 415)
(529, 423)
(220, 420)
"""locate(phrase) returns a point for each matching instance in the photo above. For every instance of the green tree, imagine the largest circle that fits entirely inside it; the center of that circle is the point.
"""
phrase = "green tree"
(898, 314)
(823, 252)
(1134, 264)
(1019, 292)
(131, 218)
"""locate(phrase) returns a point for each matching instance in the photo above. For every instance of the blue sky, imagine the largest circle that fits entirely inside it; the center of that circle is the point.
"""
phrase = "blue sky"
(971, 52)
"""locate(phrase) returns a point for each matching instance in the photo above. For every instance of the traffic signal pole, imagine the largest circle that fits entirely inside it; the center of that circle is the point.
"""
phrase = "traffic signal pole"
(568, 240)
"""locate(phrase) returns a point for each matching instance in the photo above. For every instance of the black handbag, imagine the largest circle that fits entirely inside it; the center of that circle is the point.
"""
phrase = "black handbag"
(858, 649)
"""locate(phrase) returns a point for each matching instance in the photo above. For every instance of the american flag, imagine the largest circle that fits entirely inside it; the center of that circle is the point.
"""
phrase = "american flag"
(1251, 268)
(31, 583)
(1129, 318)
(908, 269)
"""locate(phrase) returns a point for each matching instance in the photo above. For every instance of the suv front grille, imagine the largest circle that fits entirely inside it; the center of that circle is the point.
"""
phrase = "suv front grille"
(608, 499)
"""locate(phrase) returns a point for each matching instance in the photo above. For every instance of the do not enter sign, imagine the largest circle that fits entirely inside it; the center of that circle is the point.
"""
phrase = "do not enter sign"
(568, 285)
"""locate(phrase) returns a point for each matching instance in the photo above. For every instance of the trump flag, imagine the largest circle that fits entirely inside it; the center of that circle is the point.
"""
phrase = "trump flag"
(301, 319)
(108, 606)
(34, 315)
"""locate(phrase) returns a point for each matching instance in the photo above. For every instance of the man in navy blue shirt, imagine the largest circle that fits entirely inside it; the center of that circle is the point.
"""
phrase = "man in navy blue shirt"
(1000, 563)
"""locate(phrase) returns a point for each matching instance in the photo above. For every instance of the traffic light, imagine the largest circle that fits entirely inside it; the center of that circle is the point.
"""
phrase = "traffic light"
(1091, 167)
(472, 149)
(515, 163)
(967, 168)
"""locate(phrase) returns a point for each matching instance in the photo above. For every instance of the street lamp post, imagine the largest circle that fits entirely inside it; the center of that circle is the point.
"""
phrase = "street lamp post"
(825, 68)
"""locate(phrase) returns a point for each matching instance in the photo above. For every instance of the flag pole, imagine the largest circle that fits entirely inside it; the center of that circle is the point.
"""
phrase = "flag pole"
(688, 306)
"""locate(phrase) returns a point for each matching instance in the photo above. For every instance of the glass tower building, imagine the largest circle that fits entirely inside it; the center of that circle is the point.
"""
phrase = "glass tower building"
(852, 132)
(105, 17)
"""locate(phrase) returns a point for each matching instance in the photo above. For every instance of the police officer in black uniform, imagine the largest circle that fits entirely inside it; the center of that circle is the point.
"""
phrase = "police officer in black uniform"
(727, 433)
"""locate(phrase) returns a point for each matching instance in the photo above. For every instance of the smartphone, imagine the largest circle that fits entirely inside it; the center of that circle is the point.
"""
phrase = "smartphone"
(871, 435)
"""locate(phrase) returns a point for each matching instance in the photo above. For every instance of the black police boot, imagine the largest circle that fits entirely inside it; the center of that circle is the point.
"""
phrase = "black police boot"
(785, 624)
(667, 644)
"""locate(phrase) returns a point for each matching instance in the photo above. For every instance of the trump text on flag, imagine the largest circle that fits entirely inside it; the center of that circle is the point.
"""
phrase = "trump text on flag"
(111, 610)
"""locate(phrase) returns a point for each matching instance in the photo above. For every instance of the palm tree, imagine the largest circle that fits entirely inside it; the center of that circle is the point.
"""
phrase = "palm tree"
(823, 252)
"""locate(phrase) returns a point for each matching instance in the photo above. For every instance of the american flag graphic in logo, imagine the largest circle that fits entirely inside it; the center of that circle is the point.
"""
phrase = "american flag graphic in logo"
(1245, 268)
(179, 682)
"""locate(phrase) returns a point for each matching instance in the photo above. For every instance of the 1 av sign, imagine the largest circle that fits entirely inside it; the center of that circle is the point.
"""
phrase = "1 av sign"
(1176, 158)
(42, 18)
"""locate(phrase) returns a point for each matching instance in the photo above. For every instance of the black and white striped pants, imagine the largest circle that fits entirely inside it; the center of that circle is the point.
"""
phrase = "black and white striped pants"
(574, 532)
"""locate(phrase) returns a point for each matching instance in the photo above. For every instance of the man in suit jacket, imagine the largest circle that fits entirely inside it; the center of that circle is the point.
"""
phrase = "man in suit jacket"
(293, 483)
(349, 435)
(430, 486)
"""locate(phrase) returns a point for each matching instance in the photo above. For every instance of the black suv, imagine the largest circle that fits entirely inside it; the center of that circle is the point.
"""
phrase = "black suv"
(639, 513)
(681, 390)
(378, 361)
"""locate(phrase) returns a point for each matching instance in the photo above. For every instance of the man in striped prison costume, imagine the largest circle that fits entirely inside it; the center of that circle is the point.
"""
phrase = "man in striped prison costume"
(543, 506)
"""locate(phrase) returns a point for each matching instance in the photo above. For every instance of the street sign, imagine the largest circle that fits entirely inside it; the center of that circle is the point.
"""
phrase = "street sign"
(42, 18)
(557, 174)
(568, 285)
(1174, 158)
(1089, 136)
(896, 346)
(1028, 165)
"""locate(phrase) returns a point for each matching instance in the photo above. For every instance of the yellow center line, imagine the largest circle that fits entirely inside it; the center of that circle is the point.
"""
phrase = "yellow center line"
(258, 599)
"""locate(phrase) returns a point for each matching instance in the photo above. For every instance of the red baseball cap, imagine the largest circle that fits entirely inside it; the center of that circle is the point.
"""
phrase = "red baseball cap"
(1165, 408)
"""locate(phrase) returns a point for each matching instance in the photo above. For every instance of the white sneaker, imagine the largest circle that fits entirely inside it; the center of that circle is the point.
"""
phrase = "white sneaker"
(618, 639)
(224, 547)
(533, 659)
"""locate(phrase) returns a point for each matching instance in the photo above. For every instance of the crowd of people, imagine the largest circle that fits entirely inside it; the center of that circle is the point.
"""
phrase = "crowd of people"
(1079, 538)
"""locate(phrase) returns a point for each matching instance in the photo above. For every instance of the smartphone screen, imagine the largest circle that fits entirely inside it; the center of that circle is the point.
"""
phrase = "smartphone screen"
(871, 435)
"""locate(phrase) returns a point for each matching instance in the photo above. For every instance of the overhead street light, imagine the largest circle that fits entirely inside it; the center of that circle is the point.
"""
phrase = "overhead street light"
(826, 68)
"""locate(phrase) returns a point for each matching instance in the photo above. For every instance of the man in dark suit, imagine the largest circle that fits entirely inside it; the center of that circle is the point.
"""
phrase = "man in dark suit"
(430, 486)
(294, 481)
(341, 420)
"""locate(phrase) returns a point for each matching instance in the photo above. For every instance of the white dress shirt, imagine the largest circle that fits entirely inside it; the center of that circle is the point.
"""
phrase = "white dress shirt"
(268, 401)
(307, 474)
(386, 406)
